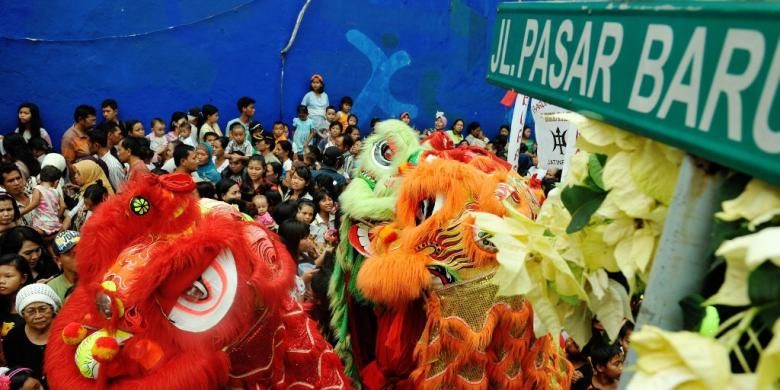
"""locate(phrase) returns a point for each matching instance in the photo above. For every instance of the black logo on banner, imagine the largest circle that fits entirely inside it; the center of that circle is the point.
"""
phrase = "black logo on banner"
(559, 140)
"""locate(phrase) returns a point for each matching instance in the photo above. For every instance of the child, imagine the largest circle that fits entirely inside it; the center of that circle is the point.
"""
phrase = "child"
(93, 196)
(316, 101)
(303, 131)
(280, 131)
(352, 120)
(238, 143)
(345, 107)
(49, 203)
(263, 216)
(9, 212)
(158, 142)
(334, 132)
(305, 213)
(608, 365)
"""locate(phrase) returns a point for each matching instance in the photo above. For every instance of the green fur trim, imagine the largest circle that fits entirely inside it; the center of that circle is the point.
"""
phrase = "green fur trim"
(337, 293)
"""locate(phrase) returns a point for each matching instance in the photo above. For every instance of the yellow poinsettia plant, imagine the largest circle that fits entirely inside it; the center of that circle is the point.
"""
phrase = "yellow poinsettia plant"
(702, 360)
(607, 217)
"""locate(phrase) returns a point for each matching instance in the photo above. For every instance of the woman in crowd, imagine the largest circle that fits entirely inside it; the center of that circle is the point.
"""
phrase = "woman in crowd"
(255, 172)
(206, 168)
(134, 151)
(9, 213)
(27, 243)
(227, 190)
(30, 124)
(220, 161)
(300, 180)
(24, 346)
(207, 121)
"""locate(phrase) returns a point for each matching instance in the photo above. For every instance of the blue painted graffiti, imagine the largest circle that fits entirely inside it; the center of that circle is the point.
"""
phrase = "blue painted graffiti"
(376, 91)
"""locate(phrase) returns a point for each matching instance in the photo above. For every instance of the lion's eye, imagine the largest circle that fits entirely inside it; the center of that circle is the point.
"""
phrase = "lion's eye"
(140, 205)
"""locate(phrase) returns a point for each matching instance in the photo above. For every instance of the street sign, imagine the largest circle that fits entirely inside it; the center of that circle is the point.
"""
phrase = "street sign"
(702, 76)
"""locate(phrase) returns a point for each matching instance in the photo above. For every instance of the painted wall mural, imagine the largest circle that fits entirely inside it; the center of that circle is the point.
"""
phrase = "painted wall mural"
(157, 57)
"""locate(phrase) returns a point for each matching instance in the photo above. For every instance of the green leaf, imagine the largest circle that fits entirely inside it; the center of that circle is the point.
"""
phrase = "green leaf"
(763, 286)
(693, 311)
(726, 230)
(733, 186)
(596, 164)
(574, 196)
(582, 214)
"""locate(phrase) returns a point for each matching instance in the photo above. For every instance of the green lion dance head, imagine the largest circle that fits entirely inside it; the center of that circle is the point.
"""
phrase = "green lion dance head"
(370, 198)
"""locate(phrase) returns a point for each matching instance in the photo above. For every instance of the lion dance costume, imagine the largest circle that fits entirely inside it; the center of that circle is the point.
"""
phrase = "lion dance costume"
(432, 268)
(174, 293)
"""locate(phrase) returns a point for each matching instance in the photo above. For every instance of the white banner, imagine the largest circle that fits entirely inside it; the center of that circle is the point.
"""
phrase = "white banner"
(555, 136)
(516, 130)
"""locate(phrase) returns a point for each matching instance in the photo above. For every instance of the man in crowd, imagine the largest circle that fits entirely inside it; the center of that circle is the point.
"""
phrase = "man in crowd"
(75, 141)
(99, 146)
(13, 183)
(331, 162)
(186, 161)
(246, 107)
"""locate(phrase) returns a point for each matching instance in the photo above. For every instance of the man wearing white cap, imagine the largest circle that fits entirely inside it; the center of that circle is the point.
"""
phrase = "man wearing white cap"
(24, 346)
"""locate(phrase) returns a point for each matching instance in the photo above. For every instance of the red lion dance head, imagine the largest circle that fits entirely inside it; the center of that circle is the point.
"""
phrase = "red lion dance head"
(177, 294)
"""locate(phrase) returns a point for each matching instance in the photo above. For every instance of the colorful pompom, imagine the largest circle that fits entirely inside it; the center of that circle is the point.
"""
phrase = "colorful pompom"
(105, 349)
(74, 333)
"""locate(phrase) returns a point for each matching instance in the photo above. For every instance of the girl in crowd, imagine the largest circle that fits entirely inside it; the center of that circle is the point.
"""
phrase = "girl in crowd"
(262, 215)
(334, 131)
(18, 152)
(220, 161)
(306, 211)
(207, 121)
(273, 174)
(24, 346)
(14, 274)
(316, 101)
(295, 236)
(354, 132)
(134, 128)
(300, 180)
(20, 378)
(324, 218)
(49, 205)
(134, 151)
(255, 172)
(227, 190)
(352, 120)
(528, 138)
(93, 196)
(27, 243)
(206, 168)
(29, 123)
(9, 213)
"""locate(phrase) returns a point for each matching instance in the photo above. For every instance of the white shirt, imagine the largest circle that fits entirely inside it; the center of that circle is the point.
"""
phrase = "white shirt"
(116, 171)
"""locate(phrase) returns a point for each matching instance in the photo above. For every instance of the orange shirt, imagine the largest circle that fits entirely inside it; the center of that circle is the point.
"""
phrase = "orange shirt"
(74, 144)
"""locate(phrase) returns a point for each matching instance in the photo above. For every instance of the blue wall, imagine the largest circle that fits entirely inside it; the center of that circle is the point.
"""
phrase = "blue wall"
(156, 57)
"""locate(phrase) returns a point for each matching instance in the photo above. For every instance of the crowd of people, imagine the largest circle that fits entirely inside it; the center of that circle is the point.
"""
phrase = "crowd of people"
(288, 178)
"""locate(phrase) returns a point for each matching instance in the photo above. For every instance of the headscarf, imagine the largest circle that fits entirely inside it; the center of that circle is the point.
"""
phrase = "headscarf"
(317, 76)
(90, 173)
(440, 114)
(208, 170)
